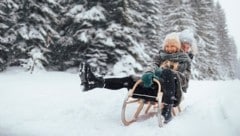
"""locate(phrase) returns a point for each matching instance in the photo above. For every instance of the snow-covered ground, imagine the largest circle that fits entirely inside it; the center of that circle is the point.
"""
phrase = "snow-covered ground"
(52, 104)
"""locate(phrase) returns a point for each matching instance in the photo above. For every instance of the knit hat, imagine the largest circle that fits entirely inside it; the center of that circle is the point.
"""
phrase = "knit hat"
(187, 36)
(172, 38)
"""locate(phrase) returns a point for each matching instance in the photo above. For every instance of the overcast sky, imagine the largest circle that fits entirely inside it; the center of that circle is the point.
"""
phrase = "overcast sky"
(232, 11)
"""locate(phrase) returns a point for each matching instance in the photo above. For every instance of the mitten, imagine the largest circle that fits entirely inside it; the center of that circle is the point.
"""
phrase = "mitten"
(147, 79)
(158, 72)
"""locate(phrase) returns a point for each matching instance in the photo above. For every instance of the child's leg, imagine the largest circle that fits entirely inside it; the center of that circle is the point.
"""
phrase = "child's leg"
(118, 83)
(169, 90)
(169, 86)
(90, 81)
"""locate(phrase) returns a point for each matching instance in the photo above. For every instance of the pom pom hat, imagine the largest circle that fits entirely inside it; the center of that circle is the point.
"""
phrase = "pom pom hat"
(172, 39)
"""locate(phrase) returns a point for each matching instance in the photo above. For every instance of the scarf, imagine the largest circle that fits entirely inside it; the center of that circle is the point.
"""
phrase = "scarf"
(175, 57)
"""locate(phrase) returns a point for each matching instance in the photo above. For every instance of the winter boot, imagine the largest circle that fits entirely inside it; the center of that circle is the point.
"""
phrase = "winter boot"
(167, 112)
(88, 79)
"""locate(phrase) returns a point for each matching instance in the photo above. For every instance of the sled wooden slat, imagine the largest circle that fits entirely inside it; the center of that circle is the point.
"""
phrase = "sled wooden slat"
(149, 96)
(148, 107)
(139, 109)
(132, 101)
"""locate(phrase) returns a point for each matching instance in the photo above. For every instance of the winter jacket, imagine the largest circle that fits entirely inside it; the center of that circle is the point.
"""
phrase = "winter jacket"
(184, 65)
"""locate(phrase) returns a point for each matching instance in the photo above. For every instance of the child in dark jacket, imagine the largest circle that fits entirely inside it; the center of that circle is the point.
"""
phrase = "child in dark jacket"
(188, 45)
(169, 66)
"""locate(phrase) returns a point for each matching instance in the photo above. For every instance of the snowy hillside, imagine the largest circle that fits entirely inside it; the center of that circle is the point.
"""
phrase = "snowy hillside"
(52, 104)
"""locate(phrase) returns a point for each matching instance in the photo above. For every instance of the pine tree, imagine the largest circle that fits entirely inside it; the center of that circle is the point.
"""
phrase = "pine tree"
(206, 37)
(7, 34)
(177, 16)
(226, 47)
(233, 61)
(147, 22)
(26, 30)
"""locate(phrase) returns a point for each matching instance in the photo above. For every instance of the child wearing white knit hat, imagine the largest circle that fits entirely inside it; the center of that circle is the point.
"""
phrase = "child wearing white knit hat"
(171, 43)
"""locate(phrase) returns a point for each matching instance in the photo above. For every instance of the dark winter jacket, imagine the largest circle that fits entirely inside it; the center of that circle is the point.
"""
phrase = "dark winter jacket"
(184, 65)
(187, 72)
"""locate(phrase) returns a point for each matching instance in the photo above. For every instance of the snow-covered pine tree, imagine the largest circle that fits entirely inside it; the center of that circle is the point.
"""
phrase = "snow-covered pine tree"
(25, 29)
(226, 47)
(207, 59)
(177, 16)
(3, 57)
(104, 35)
(7, 33)
(59, 41)
(146, 19)
(87, 36)
(233, 61)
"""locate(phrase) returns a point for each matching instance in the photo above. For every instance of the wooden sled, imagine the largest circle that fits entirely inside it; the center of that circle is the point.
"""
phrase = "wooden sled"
(141, 104)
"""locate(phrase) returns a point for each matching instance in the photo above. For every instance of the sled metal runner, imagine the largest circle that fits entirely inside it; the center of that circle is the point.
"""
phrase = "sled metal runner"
(141, 102)
(157, 105)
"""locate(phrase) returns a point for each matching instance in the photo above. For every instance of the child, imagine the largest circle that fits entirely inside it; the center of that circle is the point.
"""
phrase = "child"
(170, 63)
(188, 46)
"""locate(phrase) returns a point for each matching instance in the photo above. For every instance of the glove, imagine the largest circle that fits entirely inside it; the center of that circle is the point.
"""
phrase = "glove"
(158, 72)
(147, 79)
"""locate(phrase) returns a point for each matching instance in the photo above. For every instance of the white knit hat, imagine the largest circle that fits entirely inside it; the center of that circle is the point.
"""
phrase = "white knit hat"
(172, 38)
(187, 36)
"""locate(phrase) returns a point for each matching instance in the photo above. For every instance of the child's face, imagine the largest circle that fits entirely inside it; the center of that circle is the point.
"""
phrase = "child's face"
(185, 47)
(171, 48)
